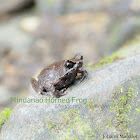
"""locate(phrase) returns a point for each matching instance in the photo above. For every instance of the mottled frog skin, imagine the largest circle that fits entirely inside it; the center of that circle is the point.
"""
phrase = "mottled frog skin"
(58, 76)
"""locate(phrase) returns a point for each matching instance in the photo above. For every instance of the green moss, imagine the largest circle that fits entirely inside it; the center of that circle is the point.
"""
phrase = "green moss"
(71, 126)
(92, 105)
(137, 110)
(121, 106)
(134, 41)
(95, 119)
(4, 115)
(110, 59)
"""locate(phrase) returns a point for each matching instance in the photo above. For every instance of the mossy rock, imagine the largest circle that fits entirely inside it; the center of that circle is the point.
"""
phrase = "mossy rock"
(124, 52)
(112, 108)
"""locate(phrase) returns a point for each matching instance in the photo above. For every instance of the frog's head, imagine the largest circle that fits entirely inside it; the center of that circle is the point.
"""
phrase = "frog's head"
(75, 62)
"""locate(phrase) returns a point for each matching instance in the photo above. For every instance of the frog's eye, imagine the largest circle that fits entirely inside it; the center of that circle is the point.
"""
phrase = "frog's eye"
(69, 64)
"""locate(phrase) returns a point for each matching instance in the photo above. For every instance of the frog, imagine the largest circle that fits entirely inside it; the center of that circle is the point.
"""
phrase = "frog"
(57, 77)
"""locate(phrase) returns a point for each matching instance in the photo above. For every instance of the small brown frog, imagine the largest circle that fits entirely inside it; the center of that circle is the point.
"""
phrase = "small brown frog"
(58, 76)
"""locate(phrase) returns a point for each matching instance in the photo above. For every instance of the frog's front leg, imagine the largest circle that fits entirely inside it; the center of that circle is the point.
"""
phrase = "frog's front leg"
(81, 74)
(57, 93)
(47, 94)
(36, 86)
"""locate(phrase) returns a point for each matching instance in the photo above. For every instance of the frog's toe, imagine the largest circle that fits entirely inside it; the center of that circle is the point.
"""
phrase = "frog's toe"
(63, 90)
(59, 94)
(63, 94)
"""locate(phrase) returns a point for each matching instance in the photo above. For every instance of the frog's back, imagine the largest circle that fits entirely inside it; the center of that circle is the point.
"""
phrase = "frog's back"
(52, 73)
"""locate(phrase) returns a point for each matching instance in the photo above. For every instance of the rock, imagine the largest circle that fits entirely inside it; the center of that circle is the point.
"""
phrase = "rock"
(121, 33)
(86, 31)
(30, 24)
(9, 30)
(135, 5)
(109, 106)
(66, 6)
(5, 95)
(4, 51)
(14, 5)
(45, 46)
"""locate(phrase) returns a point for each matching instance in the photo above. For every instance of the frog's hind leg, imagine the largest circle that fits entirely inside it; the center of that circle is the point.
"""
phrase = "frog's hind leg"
(34, 84)
(57, 93)
(45, 91)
